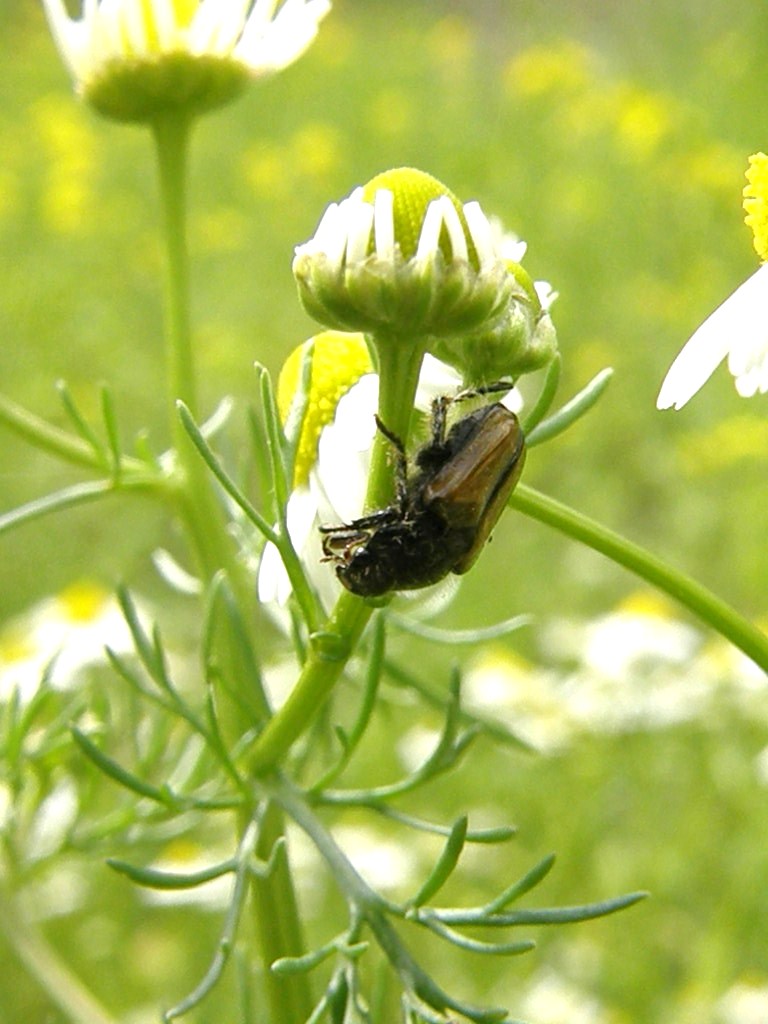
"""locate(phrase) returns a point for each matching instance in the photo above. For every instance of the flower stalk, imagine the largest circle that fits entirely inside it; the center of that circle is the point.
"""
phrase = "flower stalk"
(692, 595)
(276, 918)
(399, 364)
(329, 653)
(172, 134)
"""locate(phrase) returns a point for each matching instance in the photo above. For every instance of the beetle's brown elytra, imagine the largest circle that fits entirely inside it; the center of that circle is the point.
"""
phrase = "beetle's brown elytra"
(444, 512)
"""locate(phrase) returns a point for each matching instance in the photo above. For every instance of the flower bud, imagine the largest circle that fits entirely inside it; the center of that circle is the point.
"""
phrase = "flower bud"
(521, 340)
(402, 257)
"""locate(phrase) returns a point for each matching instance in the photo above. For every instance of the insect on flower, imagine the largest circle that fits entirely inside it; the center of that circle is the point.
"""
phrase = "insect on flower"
(443, 512)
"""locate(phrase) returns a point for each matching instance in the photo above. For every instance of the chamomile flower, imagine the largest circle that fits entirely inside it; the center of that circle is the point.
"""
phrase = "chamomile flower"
(738, 329)
(134, 59)
(59, 638)
(334, 450)
(403, 257)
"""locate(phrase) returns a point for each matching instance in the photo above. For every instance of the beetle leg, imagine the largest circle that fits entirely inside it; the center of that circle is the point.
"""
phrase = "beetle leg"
(484, 389)
(401, 464)
(439, 417)
(340, 542)
(379, 518)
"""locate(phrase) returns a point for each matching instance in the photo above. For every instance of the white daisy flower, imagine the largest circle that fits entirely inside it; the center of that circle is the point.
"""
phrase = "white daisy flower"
(338, 428)
(336, 482)
(738, 329)
(134, 58)
(59, 638)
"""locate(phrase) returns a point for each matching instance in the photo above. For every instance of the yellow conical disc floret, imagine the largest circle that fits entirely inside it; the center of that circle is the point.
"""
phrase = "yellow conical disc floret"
(412, 192)
(339, 360)
(402, 259)
(756, 202)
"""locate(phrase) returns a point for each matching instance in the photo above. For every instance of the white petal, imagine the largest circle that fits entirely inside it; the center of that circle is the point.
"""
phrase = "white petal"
(266, 47)
(546, 294)
(436, 379)
(748, 358)
(300, 516)
(166, 24)
(70, 37)
(430, 232)
(301, 519)
(506, 243)
(384, 225)
(740, 323)
(455, 229)
(263, 12)
(330, 238)
(358, 217)
(272, 578)
(482, 233)
(344, 449)
(134, 28)
(218, 26)
(513, 400)
(754, 380)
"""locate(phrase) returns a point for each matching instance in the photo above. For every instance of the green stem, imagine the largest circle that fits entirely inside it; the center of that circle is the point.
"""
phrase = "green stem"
(399, 362)
(692, 595)
(44, 964)
(328, 656)
(43, 435)
(200, 508)
(365, 904)
(278, 923)
(172, 134)
(276, 917)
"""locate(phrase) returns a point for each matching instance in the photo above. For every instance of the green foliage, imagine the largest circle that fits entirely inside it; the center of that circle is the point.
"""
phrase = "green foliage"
(594, 133)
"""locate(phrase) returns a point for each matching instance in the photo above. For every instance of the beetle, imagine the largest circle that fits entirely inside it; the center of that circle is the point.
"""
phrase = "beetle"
(443, 512)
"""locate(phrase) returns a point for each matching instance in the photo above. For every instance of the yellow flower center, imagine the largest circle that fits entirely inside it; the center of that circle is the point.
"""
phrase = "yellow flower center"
(645, 604)
(183, 13)
(184, 10)
(338, 361)
(83, 601)
(413, 191)
(756, 202)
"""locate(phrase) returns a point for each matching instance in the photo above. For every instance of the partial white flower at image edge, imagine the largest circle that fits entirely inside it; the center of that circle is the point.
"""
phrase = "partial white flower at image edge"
(738, 331)
(738, 328)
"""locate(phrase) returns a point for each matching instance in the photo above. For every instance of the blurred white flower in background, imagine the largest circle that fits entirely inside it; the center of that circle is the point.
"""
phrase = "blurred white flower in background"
(553, 999)
(636, 668)
(135, 58)
(744, 1003)
(523, 696)
(54, 817)
(59, 638)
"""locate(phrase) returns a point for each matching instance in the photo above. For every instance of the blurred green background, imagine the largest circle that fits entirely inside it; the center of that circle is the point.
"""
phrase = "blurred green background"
(613, 138)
